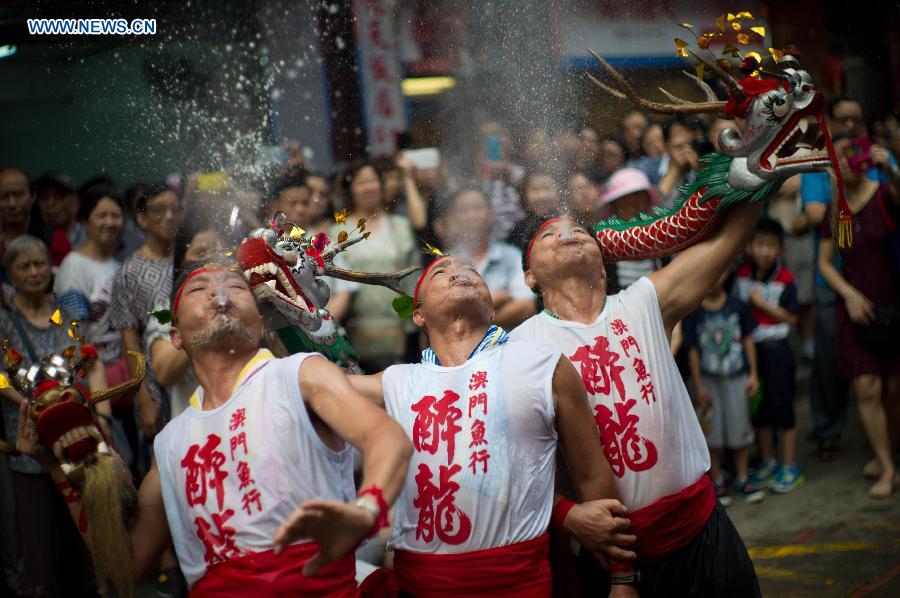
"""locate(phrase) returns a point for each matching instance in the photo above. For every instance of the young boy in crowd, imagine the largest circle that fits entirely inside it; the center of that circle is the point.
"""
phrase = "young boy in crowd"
(768, 287)
(718, 336)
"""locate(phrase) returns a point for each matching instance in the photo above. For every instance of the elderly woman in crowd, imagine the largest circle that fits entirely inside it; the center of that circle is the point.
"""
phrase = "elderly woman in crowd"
(374, 328)
(52, 560)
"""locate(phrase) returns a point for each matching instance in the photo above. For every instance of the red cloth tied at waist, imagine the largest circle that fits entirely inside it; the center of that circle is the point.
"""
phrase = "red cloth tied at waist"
(671, 522)
(266, 574)
(521, 570)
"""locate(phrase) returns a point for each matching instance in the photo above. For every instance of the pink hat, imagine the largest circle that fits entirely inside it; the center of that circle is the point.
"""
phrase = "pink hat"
(626, 181)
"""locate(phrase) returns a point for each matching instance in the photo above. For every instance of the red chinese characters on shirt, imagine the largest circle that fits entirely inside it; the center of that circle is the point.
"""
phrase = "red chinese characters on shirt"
(436, 421)
(206, 468)
(438, 513)
(622, 445)
(602, 370)
(251, 497)
(204, 471)
(478, 380)
(439, 516)
(217, 538)
(478, 402)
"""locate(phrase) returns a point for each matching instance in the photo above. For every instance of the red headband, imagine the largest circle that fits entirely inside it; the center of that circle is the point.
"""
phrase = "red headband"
(422, 278)
(534, 238)
(197, 272)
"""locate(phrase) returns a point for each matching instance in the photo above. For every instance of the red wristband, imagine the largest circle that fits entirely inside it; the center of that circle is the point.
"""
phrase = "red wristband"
(68, 492)
(560, 511)
(381, 520)
(620, 566)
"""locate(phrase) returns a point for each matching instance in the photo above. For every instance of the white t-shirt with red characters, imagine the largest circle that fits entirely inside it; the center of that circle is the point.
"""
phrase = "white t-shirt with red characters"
(232, 475)
(650, 433)
(484, 446)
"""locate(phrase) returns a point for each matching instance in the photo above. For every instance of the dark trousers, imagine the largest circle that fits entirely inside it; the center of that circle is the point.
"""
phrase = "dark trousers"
(828, 391)
(715, 563)
(56, 560)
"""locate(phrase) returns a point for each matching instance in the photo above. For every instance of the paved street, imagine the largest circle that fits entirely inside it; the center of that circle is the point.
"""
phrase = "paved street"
(827, 538)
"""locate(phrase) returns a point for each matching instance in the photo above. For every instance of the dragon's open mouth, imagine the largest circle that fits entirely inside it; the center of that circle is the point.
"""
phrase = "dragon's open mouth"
(68, 428)
(801, 141)
(77, 442)
(269, 279)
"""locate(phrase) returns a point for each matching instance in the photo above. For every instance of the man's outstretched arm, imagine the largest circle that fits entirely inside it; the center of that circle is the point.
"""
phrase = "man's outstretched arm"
(681, 286)
(369, 387)
(599, 522)
(338, 527)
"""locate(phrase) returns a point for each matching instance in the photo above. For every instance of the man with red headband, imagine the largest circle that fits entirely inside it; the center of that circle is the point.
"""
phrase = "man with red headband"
(254, 481)
(485, 417)
(686, 545)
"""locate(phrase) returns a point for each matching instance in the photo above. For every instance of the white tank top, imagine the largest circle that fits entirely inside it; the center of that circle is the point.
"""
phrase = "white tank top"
(650, 433)
(230, 476)
(484, 444)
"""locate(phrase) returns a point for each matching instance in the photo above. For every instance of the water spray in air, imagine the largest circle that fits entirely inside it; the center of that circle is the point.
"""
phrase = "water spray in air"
(222, 300)
(566, 230)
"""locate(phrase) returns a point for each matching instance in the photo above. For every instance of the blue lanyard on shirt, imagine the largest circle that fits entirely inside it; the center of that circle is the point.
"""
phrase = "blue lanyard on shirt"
(494, 336)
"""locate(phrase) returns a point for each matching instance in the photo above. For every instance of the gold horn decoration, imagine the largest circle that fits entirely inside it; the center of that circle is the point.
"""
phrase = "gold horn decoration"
(9, 448)
(130, 385)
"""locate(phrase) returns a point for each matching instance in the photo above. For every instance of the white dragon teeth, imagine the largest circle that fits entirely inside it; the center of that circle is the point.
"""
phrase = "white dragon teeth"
(804, 125)
(67, 468)
(76, 435)
(263, 269)
(271, 284)
(57, 451)
(102, 448)
(287, 285)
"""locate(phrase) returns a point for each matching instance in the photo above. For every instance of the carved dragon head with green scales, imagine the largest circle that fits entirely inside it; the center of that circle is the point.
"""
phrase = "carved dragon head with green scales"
(783, 134)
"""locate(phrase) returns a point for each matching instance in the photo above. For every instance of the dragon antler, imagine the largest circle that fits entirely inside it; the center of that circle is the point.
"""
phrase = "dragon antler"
(9, 448)
(724, 75)
(390, 280)
(336, 248)
(628, 93)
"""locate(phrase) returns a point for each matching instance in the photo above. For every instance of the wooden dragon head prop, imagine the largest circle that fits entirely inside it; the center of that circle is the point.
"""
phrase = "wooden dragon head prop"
(783, 133)
(61, 406)
(61, 403)
(284, 265)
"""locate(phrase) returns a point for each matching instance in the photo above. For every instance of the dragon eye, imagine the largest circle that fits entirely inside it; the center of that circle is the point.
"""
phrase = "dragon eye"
(780, 107)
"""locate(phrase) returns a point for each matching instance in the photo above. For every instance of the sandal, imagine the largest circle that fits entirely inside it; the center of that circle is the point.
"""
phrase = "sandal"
(872, 469)
(883, 489)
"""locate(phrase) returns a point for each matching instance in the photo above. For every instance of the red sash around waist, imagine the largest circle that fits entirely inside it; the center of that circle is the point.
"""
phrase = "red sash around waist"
(671, 522)
(521, 570)
(265, 574)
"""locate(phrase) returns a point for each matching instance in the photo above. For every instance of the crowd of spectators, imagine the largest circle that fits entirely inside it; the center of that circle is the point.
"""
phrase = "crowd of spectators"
(106, 257)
